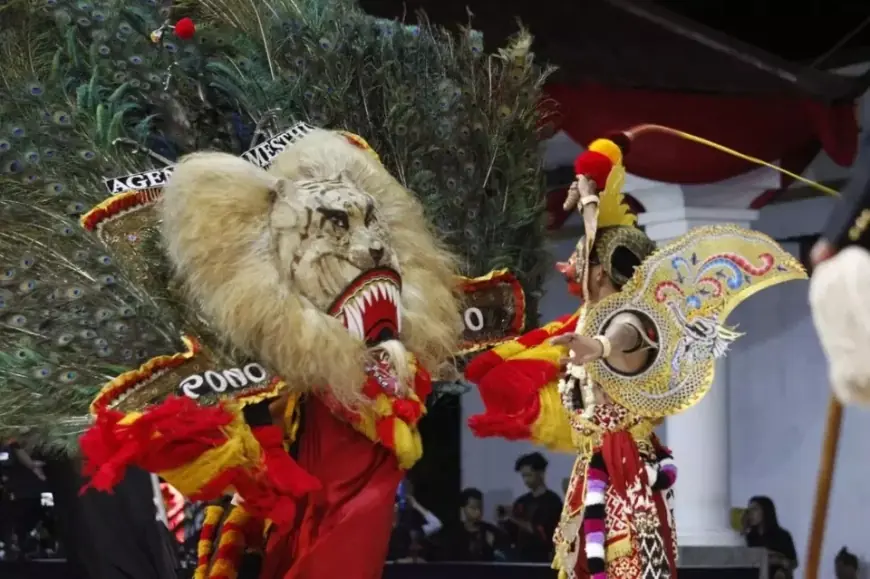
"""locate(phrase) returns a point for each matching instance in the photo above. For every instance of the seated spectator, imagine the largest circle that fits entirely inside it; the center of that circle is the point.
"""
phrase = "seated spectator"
(761, 529)
(846, 565)
(475, 539)
(413, 524)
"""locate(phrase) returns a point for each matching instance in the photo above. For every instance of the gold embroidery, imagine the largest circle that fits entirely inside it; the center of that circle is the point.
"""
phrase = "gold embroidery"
(860, 225)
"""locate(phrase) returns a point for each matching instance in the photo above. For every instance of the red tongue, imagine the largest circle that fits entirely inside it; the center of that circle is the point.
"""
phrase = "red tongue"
(380, 320)
(368, 302)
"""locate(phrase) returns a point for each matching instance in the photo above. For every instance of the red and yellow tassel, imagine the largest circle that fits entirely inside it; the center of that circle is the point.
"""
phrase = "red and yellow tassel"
(517, 381)
(203, 452)
(205, 546)
(391, 420)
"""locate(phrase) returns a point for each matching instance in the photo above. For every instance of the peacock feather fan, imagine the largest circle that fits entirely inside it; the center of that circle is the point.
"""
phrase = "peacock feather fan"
(87, 85)
(70, 319)
(455, 125)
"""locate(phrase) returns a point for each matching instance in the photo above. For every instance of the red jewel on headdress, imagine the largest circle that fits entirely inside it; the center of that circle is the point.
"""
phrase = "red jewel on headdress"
(185, 29)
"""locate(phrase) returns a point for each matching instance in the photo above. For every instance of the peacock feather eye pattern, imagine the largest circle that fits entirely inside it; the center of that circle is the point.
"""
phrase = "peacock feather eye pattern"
(447, 119)
(62, 118)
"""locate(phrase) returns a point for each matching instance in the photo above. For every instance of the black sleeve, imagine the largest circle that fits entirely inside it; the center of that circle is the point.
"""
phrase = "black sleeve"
(551, 515)
(501, 540)
(753, 539)
(849, 223)
(786, 546)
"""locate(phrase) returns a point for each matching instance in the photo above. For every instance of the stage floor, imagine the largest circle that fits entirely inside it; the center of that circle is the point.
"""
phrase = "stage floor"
(58, 570)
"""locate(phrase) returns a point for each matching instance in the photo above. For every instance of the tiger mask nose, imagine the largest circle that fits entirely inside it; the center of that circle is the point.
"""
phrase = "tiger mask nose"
(377, 254)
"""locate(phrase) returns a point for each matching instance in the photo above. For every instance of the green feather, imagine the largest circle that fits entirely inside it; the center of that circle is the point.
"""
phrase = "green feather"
(456, 126)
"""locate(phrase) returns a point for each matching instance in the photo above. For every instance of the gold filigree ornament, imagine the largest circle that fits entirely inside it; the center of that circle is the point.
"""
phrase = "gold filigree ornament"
(684, 293)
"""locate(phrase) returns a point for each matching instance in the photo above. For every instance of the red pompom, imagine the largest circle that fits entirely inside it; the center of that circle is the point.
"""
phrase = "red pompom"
(594, 165)
(185, 29)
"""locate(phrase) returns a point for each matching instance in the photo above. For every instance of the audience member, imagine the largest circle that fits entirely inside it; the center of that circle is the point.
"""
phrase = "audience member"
(413, 524)
(475, 539)
(846, 565)
(761, 529)
(529, 525)
(23, 485)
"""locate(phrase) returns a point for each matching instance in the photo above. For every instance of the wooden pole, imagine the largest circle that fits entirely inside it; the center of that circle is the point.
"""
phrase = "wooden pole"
(824, 480)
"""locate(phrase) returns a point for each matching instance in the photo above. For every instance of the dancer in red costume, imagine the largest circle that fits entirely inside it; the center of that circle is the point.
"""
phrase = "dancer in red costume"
(641, 347)
(324, 268)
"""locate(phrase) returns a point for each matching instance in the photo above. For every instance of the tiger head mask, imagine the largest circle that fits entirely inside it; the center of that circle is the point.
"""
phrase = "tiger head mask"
(313, 264)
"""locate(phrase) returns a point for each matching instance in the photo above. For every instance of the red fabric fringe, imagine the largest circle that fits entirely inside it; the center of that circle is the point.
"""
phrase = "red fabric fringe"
(510, 395)
(509, 388)
(407, 411)
(186, 429)
(477, 368)
(273, 493)
(384, 427)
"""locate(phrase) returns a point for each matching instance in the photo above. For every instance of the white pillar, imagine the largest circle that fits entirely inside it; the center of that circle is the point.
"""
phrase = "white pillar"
(699, 437)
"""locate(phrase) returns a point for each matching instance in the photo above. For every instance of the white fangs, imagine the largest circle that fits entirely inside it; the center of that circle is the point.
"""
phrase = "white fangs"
(356, 305)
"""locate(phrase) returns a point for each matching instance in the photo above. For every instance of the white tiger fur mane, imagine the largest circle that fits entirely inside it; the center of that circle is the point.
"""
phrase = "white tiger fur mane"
(215, 226)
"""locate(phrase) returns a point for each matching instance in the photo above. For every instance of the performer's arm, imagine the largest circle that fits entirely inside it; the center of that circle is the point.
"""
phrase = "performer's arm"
(624, 337)
(624, 334)
(431, 523)
(849, 223)
(34, 466)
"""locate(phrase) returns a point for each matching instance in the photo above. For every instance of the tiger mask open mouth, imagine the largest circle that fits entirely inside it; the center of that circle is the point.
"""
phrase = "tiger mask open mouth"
(370, 306)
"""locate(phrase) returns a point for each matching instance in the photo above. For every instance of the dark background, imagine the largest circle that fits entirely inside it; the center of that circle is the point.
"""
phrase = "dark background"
(797, 31)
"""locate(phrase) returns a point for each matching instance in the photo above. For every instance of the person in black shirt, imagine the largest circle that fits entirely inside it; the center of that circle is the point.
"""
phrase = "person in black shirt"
(109, 535)
(761, 529)
(535, 515)
(413, 524)
(475, 539)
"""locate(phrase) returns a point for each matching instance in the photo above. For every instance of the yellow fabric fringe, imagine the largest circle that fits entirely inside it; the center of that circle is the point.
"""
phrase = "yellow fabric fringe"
(240, 449)
(408, 446)
(552, 427)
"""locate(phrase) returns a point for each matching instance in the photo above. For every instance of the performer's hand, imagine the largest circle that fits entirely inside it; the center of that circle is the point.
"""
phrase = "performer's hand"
(583, 349)
(822, 250)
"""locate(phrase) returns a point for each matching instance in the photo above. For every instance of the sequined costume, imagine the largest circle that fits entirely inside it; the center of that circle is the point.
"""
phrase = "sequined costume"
(617, 520)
